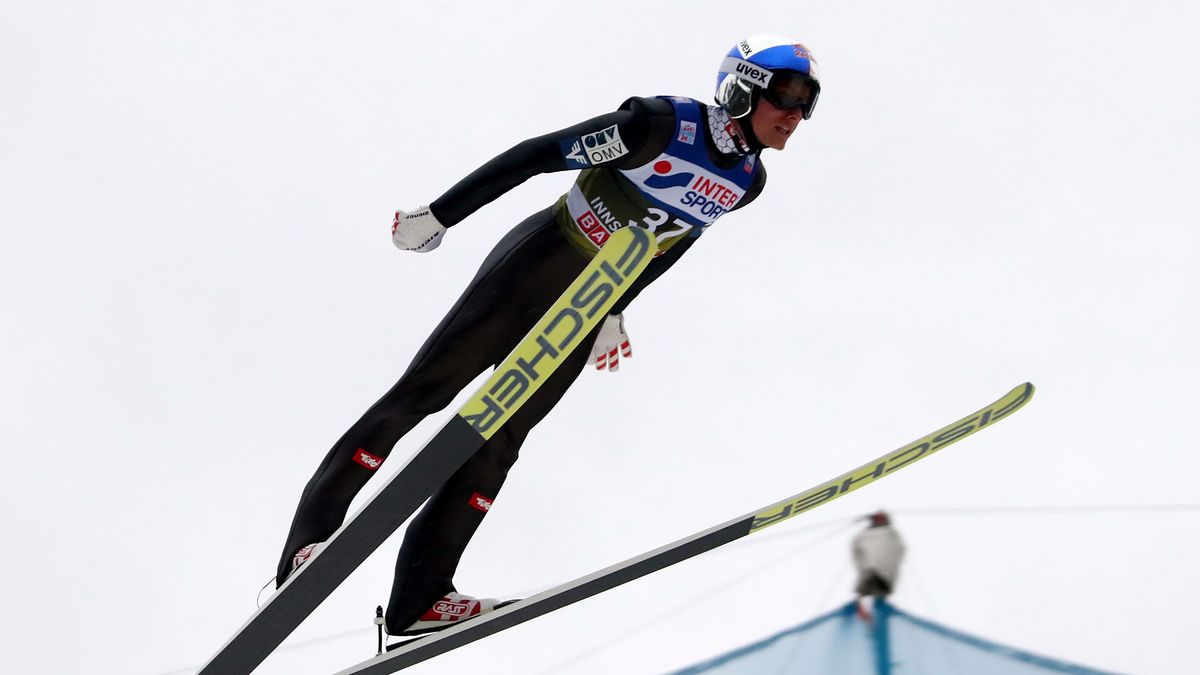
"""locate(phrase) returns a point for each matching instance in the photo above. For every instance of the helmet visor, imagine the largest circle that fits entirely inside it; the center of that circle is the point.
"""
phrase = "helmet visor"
(789, 90)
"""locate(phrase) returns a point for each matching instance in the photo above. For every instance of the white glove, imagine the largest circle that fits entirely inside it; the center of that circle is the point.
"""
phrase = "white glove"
(417, 230)
(612, 338)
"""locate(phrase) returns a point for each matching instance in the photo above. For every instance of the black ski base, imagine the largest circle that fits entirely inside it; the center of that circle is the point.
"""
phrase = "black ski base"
(401, 643)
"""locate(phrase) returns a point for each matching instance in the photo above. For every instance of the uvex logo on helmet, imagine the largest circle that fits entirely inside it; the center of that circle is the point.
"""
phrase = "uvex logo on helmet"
(753, 72)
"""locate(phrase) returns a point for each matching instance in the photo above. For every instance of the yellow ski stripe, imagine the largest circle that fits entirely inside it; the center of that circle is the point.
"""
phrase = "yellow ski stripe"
(897, 459)
(563, 327)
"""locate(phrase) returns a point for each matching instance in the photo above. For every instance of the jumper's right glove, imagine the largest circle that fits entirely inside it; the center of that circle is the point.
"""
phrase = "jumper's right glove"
(417, 230)
(611, 341)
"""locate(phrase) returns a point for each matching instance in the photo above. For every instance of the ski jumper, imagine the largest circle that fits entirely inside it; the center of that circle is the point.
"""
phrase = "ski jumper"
(666, 164)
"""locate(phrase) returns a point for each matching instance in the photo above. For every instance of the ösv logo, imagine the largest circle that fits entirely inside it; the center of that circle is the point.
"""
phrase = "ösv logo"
(663, 177)
(572, 152)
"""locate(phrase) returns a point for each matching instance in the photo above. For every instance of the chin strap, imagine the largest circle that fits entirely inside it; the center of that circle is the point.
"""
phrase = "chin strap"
(725, 134)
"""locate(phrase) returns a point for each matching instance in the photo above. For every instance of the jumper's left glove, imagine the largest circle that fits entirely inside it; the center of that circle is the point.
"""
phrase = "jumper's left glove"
(611, 341)
(417, 230)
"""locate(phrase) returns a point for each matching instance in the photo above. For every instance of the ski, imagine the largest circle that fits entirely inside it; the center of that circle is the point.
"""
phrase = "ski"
(560, 330)
(571, 592)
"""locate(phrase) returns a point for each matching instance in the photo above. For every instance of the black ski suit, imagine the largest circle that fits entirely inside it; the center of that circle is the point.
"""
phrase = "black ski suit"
(522, 276)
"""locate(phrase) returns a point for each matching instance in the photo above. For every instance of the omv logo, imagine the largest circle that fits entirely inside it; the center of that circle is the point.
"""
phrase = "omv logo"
(663, 177)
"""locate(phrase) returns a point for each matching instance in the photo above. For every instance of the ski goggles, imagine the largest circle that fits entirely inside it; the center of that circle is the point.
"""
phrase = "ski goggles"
(791, 90)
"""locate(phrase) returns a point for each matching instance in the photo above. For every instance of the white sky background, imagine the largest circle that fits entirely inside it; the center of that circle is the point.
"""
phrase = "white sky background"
(199, 296)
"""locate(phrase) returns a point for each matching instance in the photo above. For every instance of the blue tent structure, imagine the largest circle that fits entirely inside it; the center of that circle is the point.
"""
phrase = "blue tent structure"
(893, 642)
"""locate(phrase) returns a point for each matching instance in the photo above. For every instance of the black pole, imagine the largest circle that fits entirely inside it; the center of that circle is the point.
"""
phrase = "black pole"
(379, 628)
